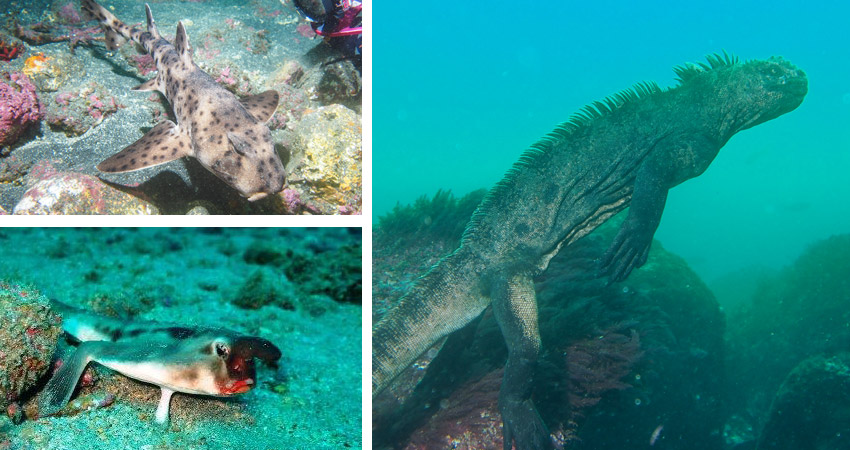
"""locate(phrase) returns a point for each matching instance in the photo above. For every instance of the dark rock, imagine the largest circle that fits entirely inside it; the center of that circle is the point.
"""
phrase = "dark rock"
(798, 312)
(662, 325)
(812, 408)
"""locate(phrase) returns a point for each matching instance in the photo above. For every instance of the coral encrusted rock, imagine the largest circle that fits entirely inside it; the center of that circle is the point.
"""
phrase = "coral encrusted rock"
(29, 330)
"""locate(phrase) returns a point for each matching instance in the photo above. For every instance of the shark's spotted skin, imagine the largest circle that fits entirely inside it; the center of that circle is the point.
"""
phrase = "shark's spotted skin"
(206, 361)
(227, 135)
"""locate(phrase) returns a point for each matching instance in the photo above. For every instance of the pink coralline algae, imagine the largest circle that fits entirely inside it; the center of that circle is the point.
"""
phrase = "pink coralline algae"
(305, 30)
(292, 198)
(69, 14)
(144, 63)
(19, 106)
(225, 77)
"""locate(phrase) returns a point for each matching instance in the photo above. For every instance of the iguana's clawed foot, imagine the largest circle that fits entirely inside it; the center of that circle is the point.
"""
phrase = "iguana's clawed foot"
(523, 426)
(629, 251)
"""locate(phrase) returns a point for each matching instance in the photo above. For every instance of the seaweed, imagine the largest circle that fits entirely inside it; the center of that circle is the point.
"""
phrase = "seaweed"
(441, 217)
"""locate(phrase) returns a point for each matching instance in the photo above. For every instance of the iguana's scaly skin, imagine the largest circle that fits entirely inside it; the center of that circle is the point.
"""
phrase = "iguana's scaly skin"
(626, 151)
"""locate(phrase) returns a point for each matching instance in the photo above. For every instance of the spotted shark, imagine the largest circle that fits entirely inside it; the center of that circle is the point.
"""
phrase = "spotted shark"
(227, 135)
(193, 360)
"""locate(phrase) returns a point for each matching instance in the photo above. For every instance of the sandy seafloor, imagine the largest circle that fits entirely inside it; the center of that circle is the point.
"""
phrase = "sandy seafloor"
(228, 28)
(190, 275)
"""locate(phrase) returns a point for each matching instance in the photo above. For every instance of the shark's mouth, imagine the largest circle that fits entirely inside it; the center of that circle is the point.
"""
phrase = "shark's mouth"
(238, 386)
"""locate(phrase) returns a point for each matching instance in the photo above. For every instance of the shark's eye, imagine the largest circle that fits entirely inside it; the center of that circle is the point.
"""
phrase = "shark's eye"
(221, 350)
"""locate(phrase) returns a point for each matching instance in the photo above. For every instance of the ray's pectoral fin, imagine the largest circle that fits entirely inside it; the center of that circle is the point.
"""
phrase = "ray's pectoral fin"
(58, 390)
(263, 105)
(163, 143)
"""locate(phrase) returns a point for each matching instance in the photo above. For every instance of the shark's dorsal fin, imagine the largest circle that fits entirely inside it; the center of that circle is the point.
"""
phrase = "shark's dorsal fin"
(263, 105)
(154, 84)
(181, 44)
(151, 24)
(163, 143)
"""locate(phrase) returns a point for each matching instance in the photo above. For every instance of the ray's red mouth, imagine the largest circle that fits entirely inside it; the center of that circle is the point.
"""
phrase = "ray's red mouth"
(238, 386)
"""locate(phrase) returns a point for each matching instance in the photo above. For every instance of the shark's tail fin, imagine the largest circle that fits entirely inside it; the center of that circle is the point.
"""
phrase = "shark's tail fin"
(444, 300)
(116, 31)
(58, 390)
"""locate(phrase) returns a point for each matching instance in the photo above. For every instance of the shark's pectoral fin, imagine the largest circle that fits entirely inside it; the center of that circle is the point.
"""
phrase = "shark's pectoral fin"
(181, 44)
(263, 105)
(164, 405)
(163, 143)
(154, 84)
(58, 390)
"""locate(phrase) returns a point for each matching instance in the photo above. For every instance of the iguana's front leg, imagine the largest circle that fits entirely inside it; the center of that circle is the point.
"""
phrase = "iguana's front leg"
(672, 163)
(630, 247)
(515, 308)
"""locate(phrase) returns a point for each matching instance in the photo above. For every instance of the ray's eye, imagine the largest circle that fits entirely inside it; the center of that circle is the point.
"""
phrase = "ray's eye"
(221, 350)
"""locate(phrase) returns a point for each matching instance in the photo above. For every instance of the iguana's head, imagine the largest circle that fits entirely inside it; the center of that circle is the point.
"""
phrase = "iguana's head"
(757, 91)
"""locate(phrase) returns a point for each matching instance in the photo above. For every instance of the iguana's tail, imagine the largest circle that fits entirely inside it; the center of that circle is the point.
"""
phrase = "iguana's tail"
(442, 301)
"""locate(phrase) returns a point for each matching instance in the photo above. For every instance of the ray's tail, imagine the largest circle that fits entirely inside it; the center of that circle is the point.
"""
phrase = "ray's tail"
(442, 301)
(115, 30)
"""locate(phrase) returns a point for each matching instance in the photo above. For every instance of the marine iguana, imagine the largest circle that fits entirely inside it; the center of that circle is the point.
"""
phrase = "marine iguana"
(625, 151)
(207, 361)
(226, 135)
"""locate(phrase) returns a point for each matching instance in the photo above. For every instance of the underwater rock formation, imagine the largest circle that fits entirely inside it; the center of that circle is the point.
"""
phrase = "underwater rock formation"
(330, 271)
(264, 287)
(76, 193)
(327, 149)
(29, 330)
(77, 111)
(652, 348)
(812, 408)
(799, 312)
(19, 106)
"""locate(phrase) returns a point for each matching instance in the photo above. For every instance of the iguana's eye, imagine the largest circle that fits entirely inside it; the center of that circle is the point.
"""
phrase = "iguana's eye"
(222, 350)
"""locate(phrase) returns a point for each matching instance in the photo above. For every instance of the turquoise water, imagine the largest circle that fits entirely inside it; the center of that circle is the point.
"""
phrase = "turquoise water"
(460, 91)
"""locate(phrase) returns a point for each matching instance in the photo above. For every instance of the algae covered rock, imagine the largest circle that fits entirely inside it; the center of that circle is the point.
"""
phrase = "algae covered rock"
(264, 287)
(76, 193)
(19, 106)
(77, 111)
(617, 361)
(327, 149)
(812, 408)
(796, 313)
(29, 330)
